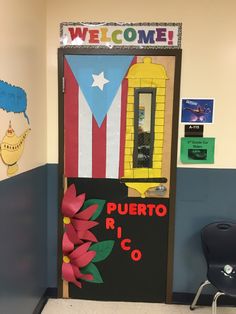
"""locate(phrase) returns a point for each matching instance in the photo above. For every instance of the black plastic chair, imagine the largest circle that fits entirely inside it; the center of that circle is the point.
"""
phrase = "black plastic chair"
(219, 247)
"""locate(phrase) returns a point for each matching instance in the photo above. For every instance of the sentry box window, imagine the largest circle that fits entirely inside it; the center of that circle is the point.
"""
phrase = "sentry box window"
(144, 122)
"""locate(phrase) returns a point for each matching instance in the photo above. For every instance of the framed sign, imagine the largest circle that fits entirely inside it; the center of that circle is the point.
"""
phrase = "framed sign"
(197, 110)
(197, 150)
(193, 130)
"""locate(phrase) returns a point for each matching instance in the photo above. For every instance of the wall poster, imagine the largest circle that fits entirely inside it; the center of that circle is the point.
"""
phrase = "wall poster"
(118, 143)
(197, 150)
(197, 110)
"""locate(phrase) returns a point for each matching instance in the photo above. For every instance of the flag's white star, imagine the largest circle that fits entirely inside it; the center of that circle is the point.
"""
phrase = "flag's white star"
(99, 80)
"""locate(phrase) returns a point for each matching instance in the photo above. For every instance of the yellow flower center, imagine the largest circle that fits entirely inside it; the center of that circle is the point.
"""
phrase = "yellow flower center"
(66, 220)
(66, 259)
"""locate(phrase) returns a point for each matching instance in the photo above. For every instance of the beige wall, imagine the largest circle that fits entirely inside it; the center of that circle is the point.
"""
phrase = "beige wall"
(23, 63)
(208, 63)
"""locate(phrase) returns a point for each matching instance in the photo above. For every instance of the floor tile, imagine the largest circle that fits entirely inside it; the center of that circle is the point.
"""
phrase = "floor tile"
(62, 306)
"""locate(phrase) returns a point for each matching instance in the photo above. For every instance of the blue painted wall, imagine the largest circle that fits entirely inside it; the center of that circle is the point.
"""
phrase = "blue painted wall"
(203, 196)
(28, 230)
(52, 224)
(23, 234)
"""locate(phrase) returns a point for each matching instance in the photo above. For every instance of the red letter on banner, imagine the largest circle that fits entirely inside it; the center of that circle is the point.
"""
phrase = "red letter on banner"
(119, 232)
(110, 223)
(161, 210)
(94, 36)
(78, 32)
(136, 255)
(111, 207)
(124, 245)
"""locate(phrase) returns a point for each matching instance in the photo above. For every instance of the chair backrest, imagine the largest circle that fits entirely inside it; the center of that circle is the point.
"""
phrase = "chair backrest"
(219, 243)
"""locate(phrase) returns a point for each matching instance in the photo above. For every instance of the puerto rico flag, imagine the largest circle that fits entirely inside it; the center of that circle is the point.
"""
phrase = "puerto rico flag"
(95, 102)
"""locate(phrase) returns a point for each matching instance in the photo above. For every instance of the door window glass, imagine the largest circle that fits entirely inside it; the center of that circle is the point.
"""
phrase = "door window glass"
(144, 128)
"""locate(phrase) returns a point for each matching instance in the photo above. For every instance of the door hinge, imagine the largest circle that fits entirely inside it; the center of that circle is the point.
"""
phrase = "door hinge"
(63, 84)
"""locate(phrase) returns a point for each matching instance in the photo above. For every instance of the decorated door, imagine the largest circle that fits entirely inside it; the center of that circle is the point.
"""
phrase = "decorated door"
(118, 134)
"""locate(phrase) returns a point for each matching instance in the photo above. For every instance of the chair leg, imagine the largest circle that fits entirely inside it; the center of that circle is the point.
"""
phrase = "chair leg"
(193, 305)
(214, 303)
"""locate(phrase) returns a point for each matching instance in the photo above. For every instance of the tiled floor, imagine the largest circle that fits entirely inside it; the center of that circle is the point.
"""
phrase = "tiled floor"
(59, 306)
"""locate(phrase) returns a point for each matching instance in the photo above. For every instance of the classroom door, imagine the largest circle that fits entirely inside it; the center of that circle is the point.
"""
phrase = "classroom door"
(118, 135)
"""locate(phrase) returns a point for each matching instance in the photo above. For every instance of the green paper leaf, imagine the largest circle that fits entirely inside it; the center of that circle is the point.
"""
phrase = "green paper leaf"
(100, 204)
(102, 249)
(92, 269)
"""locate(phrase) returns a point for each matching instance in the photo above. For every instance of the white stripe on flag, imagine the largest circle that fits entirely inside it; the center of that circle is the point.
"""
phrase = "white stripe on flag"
(113, 137)
(85, 138)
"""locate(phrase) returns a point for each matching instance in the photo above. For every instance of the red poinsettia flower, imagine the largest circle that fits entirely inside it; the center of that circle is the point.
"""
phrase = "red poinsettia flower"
(74, 260)
(77, 224)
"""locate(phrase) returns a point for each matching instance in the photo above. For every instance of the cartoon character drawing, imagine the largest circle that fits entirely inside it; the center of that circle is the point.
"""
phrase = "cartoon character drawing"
(11, 148)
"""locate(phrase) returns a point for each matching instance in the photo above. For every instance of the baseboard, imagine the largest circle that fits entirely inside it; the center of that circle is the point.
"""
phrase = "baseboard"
(52, 293)
(204, 299)
(49, 293)
(43, 300)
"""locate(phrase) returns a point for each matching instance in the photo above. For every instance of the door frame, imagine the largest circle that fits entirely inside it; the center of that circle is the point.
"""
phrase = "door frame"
(177, 53)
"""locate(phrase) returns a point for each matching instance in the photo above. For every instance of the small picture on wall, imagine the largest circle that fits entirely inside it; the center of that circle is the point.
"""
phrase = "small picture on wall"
(197, 110)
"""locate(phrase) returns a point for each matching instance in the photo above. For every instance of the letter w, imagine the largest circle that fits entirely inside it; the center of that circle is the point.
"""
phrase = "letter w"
(78, 32)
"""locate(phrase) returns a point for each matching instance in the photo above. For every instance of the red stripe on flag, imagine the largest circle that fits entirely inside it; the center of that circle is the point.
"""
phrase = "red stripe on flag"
(99, 149)
(70, 122)
(124, 95)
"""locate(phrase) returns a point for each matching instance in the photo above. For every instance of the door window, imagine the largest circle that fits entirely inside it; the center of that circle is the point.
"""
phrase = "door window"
(144, 127)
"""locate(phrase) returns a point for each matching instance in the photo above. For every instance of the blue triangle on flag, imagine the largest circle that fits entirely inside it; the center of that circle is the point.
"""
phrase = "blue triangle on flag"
(99, 78)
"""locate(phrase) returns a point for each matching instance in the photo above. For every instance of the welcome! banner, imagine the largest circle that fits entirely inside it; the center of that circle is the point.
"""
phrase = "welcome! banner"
(156, 35)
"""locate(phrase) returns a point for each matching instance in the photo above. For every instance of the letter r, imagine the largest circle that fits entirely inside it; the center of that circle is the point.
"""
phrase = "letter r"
(110, 223)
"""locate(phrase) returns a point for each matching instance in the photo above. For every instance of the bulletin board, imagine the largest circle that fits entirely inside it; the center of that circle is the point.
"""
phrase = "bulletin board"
(118, 122)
